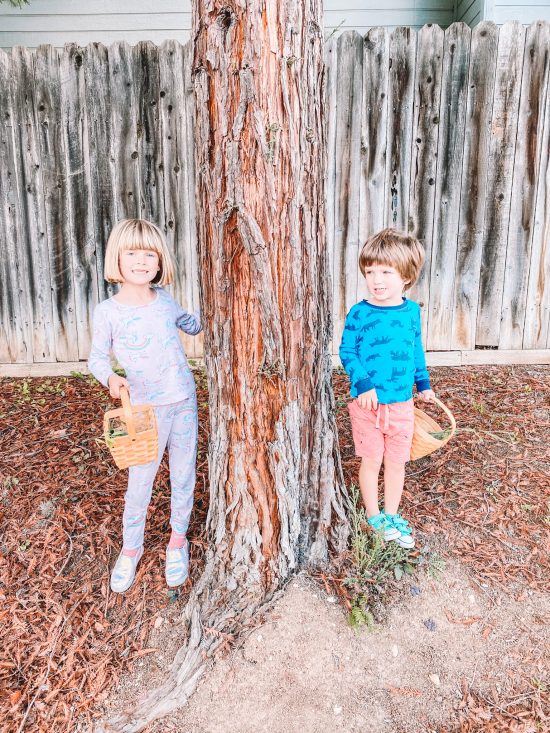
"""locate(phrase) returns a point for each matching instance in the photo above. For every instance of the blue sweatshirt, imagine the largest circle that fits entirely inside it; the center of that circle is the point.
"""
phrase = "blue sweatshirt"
(382, 349)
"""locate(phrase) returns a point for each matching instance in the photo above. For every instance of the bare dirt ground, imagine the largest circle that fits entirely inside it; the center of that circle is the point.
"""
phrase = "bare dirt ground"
(306, 670)
(466, 652)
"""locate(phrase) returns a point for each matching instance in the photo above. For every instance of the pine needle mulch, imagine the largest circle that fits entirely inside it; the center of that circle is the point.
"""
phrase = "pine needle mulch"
(66, 639)
(485, 497)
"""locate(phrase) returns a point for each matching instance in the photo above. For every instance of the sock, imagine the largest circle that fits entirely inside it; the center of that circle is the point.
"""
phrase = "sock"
(177, 541)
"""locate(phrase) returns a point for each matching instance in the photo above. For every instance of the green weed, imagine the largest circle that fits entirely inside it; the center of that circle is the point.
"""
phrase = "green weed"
(374, 562)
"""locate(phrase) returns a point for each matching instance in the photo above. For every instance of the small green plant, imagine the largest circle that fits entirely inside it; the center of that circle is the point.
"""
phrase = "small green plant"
(436, 565)
(25, 391)
(441, 434)
(360, 615)
(479, 407)
(111, 434)
(374, 562)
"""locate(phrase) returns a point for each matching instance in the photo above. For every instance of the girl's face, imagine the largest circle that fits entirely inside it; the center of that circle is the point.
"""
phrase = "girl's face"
(139, 266)
(385, 285)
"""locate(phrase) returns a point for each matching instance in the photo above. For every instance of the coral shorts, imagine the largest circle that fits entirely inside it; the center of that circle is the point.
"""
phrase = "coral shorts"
(385, 432)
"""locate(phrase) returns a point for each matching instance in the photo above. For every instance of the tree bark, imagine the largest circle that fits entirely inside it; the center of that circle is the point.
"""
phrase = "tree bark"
(276, 487)
(261, 155)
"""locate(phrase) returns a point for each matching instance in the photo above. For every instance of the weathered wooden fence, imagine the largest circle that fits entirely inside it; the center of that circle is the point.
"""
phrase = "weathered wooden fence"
(446, 134)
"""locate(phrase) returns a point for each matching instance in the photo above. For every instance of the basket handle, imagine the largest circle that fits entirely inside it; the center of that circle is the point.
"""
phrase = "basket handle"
(447, 412)
(128, 417)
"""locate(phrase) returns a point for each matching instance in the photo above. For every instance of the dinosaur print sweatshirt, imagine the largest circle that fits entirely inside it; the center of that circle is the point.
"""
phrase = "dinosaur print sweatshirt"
(382, 349)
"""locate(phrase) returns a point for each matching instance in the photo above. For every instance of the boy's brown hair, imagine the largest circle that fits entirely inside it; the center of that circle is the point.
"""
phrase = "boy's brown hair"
(396, 249)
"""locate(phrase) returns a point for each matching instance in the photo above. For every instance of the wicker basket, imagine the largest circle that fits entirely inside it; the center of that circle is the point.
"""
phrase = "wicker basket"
(423, 443)
(131, 433)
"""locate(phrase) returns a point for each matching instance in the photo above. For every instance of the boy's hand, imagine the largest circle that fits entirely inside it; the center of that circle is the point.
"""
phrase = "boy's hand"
(368, 400)
(115, 383)
(427, 395)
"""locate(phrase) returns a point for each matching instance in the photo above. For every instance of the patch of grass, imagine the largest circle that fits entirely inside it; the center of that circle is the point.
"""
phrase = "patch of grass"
(374, 563)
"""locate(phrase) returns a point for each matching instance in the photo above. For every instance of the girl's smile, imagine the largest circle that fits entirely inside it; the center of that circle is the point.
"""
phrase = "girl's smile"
(139, 266)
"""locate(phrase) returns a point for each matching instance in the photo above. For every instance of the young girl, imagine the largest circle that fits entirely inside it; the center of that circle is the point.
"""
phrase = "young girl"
(382, 353)
(139, 325)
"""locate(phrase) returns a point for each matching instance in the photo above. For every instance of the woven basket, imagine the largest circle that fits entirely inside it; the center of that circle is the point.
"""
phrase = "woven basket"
(423, 443)
(131, 433)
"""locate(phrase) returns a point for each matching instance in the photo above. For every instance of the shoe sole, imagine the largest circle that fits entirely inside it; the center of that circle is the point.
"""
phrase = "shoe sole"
(176, 585)
(406, 545)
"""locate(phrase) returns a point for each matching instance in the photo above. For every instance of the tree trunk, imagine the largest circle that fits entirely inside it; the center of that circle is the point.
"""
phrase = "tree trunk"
(276, 486)
(274, 467)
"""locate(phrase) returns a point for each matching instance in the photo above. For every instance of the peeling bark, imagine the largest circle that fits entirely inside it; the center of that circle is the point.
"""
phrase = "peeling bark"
(275, 478)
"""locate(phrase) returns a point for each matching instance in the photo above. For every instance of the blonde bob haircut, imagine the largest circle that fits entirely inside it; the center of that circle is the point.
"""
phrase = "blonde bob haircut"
(395, 249)
(138, 234)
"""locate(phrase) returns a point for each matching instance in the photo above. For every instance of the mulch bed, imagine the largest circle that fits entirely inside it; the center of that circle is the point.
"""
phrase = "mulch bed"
(66, 639)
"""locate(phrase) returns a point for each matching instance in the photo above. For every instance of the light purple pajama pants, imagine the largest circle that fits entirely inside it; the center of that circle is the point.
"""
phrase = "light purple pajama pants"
(177, 426)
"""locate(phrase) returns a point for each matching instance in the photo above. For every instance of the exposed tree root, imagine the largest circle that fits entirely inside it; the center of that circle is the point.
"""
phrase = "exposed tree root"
(212, 613)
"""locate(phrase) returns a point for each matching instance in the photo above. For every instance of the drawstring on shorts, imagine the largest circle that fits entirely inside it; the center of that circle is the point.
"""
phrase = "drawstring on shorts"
(386, 417)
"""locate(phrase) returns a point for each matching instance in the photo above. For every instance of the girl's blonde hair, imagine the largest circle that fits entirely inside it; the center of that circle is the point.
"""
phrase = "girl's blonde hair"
(138, 234)
(396, 249)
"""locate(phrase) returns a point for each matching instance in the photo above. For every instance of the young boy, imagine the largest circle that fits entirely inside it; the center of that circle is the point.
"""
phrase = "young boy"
(382, 353)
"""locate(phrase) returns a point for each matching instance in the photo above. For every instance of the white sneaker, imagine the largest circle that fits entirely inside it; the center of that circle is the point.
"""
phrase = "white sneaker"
(177, 565)
(124, 572)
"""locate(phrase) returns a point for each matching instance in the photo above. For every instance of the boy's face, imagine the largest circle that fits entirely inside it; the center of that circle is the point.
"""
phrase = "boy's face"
(385, 285)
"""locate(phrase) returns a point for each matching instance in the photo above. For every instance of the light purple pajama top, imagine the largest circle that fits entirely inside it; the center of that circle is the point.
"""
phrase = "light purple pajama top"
(145, 341)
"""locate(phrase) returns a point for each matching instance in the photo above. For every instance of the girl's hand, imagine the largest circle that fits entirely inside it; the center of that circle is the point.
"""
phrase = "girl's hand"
(427, 395)
(368, 400)
(115, 383)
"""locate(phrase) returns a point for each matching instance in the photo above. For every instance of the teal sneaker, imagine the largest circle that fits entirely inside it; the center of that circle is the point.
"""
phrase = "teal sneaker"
(381, 523)
(404, 538)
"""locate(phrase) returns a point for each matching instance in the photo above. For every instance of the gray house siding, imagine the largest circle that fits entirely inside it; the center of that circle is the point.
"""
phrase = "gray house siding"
(83, 21)
(501, 11)
(469, 11)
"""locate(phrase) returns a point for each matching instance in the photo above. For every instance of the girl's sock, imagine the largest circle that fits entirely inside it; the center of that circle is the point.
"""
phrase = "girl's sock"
(177, 541)
(130, 553)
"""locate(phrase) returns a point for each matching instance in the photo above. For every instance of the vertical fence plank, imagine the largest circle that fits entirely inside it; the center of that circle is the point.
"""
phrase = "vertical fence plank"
(536, 329)
(374, 127)
(147, 94)
(499, 188)
(32, 232)
(192, 277)
(125, 131)
(15, 345)
(347, 150)
(474, 183)
(429, 63)
(55, 180)
(80, 220)
(454, 88)
(173, 125)
(400, 125)
(534, 90)
(331, 82)
(101, 156)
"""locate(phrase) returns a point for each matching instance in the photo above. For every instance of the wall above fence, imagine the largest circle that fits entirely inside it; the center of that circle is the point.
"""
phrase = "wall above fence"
(444, 133)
